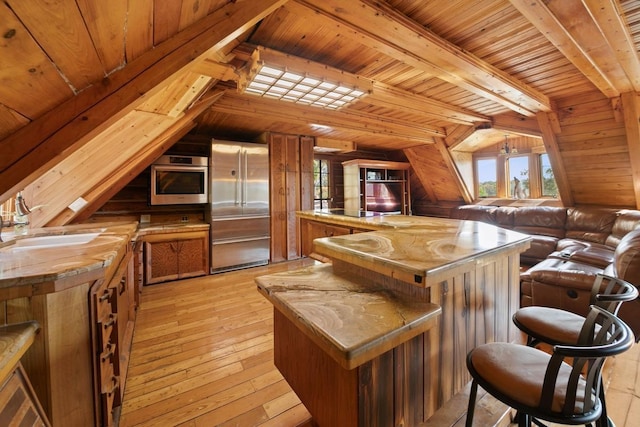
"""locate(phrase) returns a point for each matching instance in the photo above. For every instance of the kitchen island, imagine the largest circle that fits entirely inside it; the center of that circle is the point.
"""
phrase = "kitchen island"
(465, 272)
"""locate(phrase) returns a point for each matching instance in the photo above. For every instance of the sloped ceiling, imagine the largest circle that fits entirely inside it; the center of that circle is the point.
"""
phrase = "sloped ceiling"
(94, 91)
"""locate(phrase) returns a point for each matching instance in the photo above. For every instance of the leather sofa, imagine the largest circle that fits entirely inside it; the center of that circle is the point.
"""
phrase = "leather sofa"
(569, 246)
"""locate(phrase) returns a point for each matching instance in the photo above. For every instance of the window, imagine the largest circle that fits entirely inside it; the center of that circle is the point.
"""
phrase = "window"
(321, 196)
(549, 186)
(522, 176)
(519, 177)
(487, 177)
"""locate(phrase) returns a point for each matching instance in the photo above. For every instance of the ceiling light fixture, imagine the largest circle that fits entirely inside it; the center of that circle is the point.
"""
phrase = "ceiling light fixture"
(506, 149)
(269, 79)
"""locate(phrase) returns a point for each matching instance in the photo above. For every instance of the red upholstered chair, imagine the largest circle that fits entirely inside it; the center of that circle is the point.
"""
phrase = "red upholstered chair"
(560, 387)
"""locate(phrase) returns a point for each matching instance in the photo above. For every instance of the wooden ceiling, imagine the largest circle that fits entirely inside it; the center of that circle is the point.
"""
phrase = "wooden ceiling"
(94, 91)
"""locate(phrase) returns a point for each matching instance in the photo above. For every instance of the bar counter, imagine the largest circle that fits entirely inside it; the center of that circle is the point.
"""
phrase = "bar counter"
(466, 274)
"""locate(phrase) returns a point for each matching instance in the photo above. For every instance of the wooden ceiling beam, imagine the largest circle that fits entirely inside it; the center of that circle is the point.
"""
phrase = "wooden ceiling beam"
(47, 140)
(608, 16)
(391, 97)
(631, 107)
(591, 35)
(548, 125)
(380, 94)
(382, 28)
(254, 106)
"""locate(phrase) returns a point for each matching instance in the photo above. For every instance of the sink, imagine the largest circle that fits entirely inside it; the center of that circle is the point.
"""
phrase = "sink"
(53, 241)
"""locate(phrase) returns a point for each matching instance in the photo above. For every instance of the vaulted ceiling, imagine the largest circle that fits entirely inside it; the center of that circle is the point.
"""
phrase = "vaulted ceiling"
(92, 91)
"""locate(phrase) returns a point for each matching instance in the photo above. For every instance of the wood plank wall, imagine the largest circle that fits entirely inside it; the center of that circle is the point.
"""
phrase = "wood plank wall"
(594, 150)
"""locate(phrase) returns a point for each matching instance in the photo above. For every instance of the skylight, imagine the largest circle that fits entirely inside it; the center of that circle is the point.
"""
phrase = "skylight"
(279, 83)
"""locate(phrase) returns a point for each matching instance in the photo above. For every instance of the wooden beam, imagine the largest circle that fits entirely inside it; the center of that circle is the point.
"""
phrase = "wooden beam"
(466, 195)
(548, 122)
(379, 26)
(345, 118)
(45, 141)
(380, 94)
(631, 106)
(391, 97)
(458, 134)
(609, 18)
(109, 186)
(574, 33)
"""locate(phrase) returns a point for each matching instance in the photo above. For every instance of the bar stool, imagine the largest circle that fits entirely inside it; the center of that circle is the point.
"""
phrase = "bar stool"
(555, 326)
(561, 387)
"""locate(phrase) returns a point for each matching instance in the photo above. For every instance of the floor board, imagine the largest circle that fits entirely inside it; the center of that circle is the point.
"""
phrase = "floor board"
(202, 355)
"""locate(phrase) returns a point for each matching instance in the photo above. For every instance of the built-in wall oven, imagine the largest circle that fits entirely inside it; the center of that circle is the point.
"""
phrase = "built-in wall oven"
(177, 180)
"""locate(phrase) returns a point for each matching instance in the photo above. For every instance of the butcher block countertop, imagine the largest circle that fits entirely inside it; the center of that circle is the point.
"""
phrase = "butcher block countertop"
(416, 249)
(351, 320)
(46, 256)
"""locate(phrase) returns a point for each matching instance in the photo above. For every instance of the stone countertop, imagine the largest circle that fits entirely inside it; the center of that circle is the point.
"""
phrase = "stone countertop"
(417, 249)
(349, 319)
(25, 265)
(145, 229)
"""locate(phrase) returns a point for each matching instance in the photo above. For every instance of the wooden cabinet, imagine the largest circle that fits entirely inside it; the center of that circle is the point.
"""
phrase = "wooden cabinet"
(112, 322)
(291, 190)
(380, 186)
(312, 230)
(178, 255)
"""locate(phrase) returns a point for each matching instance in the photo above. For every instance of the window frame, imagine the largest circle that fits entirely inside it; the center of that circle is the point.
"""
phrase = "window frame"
(503, 184)
(328, 199)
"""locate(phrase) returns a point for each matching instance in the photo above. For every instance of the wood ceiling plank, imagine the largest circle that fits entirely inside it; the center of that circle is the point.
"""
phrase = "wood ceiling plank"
(39, 145)
(64, 41)
(165, 24)
(561, 35)
(384, 29)
(139, 28)
(106, 22)
(36, 85)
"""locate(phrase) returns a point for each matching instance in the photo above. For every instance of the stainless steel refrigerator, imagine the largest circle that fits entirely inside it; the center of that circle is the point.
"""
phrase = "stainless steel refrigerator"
(239, 190)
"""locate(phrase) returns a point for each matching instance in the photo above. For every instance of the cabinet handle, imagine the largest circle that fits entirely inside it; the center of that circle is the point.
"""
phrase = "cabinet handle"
(106, 295)
(115, 383)
(111, 348)
(110, 322)
(123, 285)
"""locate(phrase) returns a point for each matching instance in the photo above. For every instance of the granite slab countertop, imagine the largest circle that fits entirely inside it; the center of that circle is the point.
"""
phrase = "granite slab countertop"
(145, 229)
(417, 249)
(351, 319)
(25, 265)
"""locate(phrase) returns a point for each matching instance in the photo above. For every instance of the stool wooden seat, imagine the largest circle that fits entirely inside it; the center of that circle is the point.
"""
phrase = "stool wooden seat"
(561, 387)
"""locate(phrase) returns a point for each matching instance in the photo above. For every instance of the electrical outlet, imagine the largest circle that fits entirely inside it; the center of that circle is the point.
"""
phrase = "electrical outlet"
(185, 219)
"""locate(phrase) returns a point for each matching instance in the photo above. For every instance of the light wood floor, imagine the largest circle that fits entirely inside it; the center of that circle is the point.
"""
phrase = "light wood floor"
(203, 356)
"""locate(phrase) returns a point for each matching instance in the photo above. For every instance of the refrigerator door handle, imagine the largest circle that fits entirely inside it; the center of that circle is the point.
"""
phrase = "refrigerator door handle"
(238, 197)
(245, 177)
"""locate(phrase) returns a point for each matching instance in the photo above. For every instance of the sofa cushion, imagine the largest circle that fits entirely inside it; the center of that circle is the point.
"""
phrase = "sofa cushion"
(594, 254)
(590, 224)
(541, 220)
(475, 213)
(505, 216)
(541, 247)
(626, 221)
(627, 258)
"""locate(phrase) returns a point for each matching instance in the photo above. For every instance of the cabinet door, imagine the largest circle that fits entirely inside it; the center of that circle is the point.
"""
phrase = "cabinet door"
(161, 261)
(314, 230)
(193, 257)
